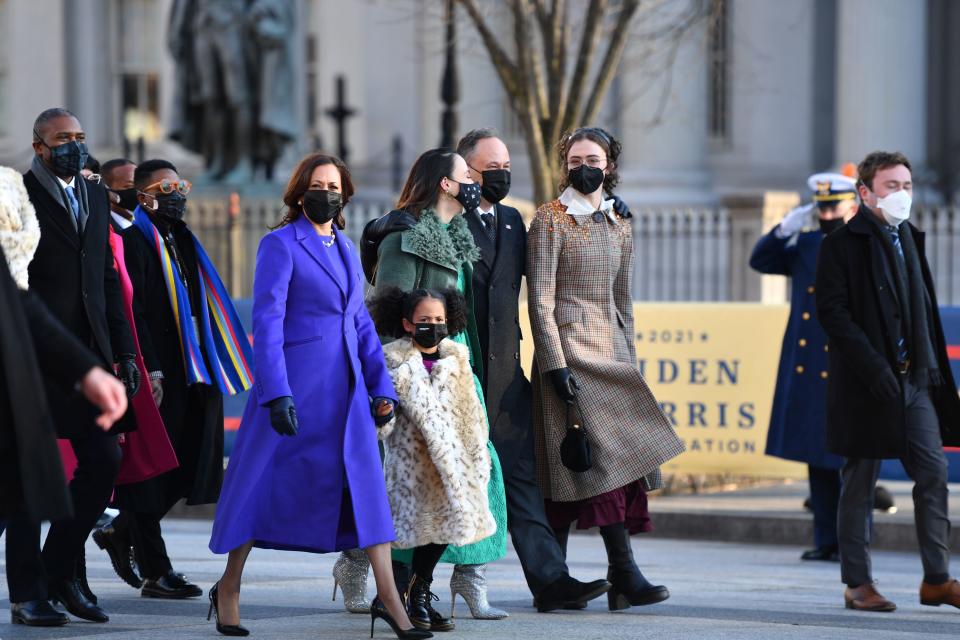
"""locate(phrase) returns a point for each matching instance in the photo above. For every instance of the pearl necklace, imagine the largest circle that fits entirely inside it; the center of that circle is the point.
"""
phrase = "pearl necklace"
(333, 238)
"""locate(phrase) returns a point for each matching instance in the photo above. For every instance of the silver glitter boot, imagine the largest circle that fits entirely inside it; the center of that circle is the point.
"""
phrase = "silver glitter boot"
(469, 581)
(350, 573)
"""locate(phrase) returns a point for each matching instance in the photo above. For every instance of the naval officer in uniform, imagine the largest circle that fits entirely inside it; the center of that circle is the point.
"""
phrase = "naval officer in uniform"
(798, 419)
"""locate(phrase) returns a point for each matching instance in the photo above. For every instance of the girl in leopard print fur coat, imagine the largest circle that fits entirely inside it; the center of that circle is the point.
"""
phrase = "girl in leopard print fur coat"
(436, 462)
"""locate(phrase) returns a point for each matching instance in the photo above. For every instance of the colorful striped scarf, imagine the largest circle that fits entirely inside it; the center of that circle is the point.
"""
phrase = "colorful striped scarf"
(228, 351)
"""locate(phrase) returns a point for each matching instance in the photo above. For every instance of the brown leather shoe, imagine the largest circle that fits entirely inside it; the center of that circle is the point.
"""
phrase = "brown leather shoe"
(867, 598)
(934, 595)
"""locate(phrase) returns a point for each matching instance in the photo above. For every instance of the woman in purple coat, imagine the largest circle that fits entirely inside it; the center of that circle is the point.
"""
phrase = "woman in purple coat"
(305, 472)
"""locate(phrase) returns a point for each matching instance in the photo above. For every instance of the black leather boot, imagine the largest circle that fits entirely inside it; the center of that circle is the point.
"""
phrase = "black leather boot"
(630, 587)
(115, 540)
(420, 607)
(66, 593)
(80, 575)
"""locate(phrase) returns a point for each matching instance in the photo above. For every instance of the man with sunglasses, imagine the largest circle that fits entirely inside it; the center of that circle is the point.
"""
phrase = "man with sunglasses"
(72, 272)
(166, 268)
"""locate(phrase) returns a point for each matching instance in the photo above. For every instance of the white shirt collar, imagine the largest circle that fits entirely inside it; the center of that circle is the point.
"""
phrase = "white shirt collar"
(122, 222)
(578, 205)
(492, 210)
(64, 183)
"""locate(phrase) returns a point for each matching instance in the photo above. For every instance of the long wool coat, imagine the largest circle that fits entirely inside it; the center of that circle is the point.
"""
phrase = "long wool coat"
(436, 462)
(798, 420)
(858, 309)
(579, 277)
(437, 256)
(322, 489)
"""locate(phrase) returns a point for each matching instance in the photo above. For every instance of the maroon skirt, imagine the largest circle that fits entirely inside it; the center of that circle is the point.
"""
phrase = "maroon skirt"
(628, 504)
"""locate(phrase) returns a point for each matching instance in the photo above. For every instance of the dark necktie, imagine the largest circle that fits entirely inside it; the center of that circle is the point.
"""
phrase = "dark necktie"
(489, 225)
(902, 352)
(74, 207)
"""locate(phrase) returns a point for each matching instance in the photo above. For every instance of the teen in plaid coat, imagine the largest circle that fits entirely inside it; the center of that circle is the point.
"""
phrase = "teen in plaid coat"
(579, 268)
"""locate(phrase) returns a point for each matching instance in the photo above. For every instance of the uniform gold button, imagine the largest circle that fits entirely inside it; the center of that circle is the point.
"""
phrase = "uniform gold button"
(806, 315)
(803, 342)
(800, 368)
(823, 374)
(810, 289)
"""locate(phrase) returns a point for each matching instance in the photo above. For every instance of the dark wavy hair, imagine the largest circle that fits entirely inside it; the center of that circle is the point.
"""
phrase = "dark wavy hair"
(423, 184)
(610, 145)
(299, 184)
(392, 305)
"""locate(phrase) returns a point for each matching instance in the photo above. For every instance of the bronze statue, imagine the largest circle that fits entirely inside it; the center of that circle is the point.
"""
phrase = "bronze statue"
(235, 81)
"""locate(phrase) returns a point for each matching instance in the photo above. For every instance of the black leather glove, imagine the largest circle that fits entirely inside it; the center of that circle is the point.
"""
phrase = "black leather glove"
(887, 387)
(382, 420)
(283, 416)
(128, 373)
(621, 207)
(565, 384)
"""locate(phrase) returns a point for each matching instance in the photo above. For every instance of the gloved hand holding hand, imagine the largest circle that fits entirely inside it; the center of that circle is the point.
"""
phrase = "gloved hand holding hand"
(128, 373)
(283, 416)
(383, 410)
(886, 387)
(565, 384)
(620, 207)
(794, 221)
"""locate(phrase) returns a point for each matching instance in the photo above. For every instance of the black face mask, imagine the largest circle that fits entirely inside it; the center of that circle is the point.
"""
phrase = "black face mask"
(128, 198)
(67, 159)
(469, 195)
(585, 179)
(171, 205)
(828, 226)
(321, 206)
(496, 184)
(429, 335)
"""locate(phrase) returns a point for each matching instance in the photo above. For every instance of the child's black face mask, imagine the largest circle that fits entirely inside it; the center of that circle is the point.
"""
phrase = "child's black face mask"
(429, 335)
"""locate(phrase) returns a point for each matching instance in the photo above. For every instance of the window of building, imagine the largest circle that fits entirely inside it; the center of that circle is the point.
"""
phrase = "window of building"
(718, 73)
(139, 48)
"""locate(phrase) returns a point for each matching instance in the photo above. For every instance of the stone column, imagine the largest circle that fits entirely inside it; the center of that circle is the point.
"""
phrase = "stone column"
(881, 79)
(664, 159)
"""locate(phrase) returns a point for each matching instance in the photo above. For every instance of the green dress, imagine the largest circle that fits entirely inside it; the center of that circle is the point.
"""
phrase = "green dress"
(424, 256)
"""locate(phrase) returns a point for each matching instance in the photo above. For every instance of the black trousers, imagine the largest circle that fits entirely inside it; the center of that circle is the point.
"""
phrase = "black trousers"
(824, 502)
(29, 570)
(143, 530)
(541, 557)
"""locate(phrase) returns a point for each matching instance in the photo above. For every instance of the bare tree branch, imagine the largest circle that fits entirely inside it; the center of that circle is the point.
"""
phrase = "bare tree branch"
(506, 68)
(530, 62)
(555, 36)
(570, 112)
(610, 61)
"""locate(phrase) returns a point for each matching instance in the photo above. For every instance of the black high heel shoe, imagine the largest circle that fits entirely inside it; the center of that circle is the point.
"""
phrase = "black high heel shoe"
(224, 629)
(379, 610)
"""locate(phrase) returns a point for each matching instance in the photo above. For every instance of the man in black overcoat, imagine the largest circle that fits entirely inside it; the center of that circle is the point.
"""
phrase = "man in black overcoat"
(32, 485)
(499, 232)
(192, 413)
(891, 393)
(72, 273)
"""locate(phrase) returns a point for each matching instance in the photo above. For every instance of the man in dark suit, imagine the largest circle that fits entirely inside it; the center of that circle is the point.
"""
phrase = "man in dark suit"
(72, 272)
(890, 391)
(192, 412)
(499, 232)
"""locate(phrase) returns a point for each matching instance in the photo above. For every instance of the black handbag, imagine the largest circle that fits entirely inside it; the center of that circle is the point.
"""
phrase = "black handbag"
(575, 453)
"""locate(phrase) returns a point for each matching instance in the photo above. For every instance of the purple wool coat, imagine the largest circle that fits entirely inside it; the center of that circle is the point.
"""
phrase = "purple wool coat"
(321, 490)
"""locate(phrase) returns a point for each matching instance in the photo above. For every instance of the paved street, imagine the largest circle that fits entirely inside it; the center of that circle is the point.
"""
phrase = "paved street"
(720, 590)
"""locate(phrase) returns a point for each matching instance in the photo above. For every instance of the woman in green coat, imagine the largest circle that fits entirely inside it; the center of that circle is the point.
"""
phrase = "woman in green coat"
(438, 252)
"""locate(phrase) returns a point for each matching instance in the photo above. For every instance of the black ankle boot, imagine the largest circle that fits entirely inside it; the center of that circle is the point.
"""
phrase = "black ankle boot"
(80, 575)
(630, 587)
(562, 536)
(420, 607)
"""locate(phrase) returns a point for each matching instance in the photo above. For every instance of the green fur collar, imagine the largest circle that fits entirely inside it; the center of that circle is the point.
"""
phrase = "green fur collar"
(448, 247)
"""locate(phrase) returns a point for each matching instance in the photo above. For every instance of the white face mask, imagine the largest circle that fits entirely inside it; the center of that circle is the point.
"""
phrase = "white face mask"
(895, 207)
